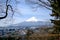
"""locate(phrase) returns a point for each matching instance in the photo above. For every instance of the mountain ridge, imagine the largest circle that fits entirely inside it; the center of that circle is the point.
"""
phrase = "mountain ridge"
(31, 24)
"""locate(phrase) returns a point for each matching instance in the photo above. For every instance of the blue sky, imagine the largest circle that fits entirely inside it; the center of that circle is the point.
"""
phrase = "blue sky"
(26, 10)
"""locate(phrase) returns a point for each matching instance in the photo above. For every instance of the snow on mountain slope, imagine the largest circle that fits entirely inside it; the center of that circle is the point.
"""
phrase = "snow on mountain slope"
(31, 22)
(32, 19)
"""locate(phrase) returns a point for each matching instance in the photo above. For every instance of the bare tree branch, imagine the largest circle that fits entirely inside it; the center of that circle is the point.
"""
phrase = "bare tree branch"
(6, 11)
(45, 3)
(11, 10)
(7, 7)
(48, 6)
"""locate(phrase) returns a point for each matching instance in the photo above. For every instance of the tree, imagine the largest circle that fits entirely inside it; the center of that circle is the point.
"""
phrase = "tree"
(7, 8)
(29, 32)
(56, 5)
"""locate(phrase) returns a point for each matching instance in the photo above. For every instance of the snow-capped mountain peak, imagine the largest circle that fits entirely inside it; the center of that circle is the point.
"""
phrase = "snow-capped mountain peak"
(32, 19)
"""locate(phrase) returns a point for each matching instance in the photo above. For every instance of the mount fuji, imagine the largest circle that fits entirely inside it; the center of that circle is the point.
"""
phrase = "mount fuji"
(32, 22)
(32, 19)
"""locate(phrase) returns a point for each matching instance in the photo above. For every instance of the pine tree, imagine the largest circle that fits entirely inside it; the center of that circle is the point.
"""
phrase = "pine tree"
(55, 4)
